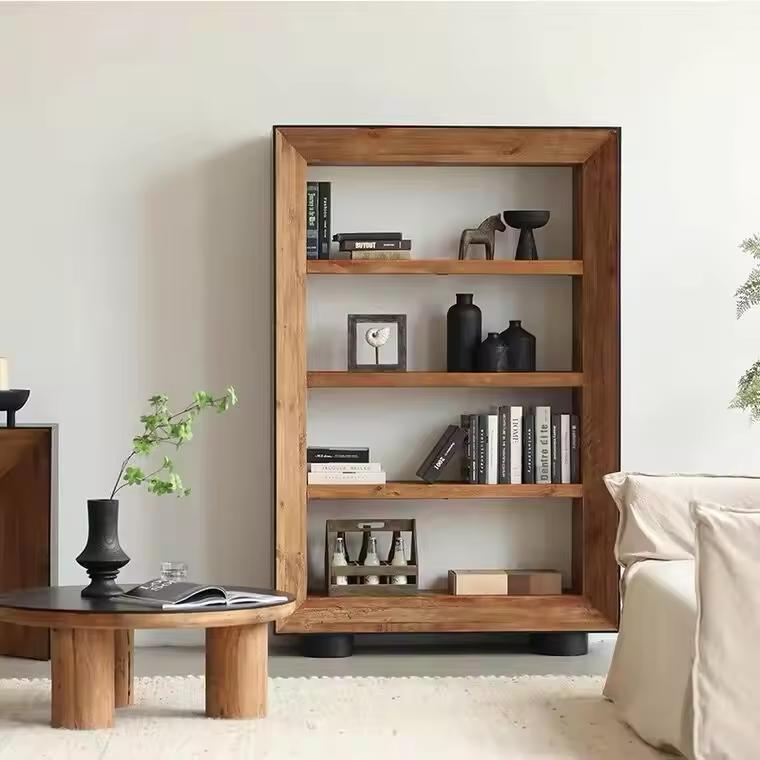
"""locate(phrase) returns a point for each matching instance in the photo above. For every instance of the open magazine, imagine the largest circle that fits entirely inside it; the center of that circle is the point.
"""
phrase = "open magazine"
(176, 595)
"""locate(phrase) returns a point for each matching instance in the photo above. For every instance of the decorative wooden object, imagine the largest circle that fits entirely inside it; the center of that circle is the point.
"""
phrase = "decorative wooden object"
(385, 570)
(594, 155)
(483, 235)
(25, 498)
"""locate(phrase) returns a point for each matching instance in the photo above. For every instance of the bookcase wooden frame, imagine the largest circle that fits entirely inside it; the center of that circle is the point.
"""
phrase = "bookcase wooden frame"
(592, 603)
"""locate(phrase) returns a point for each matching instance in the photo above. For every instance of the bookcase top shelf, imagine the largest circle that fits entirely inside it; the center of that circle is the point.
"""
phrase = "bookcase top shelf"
(418, 490)
(331, 379)
(446, 266)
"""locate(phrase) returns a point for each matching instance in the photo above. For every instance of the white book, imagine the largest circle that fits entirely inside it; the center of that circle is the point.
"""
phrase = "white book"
(543, 444)
(492, 458)
(515, 443)
(564, 450)
(334, 478)
(345, 467)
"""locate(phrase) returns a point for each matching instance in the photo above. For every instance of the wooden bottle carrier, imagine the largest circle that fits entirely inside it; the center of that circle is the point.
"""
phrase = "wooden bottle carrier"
(385, 570)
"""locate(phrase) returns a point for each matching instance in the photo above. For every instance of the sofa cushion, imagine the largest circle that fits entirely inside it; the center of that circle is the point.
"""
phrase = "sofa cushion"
(655, 517)
(726, 674)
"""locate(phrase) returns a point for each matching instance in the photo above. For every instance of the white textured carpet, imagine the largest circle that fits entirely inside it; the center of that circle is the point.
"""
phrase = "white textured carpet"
(547, 717)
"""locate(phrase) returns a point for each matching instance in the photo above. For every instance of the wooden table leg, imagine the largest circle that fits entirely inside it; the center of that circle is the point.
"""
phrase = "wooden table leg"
(236, 671)
(124, 668)
(82, 665)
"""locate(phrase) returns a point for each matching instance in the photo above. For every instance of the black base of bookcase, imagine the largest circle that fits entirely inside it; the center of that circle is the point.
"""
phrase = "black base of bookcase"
(327, 644)
(565, 644)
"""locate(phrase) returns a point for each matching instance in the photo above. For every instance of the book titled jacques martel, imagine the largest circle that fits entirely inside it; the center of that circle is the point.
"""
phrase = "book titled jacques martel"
(543, 445)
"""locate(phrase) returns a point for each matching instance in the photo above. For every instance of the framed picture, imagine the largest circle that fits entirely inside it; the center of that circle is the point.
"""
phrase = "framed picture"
(377, 342)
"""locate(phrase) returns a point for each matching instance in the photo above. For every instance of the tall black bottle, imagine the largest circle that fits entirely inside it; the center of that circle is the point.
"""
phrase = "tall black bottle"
(464, 327)
(522, 347)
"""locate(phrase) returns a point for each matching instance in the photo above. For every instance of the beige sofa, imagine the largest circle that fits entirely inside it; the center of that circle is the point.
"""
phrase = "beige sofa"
(685, 673)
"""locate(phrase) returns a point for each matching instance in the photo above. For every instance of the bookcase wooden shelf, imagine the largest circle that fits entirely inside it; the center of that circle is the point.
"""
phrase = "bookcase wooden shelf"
(447, 266)
(593, 154)
(444, 379)
(418, 490)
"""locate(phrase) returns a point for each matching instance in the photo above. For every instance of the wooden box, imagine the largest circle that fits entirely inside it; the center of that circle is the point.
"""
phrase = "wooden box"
(505, 582)
(356, 571)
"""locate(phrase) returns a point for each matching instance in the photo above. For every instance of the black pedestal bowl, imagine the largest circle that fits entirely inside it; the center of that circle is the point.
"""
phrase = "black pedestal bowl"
(526, 222)
(10, 402)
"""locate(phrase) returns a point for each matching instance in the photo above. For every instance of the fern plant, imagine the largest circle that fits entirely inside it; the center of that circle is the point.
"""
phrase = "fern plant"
(748, 295)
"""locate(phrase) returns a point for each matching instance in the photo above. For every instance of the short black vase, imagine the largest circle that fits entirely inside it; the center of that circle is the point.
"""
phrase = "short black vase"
(10, 402)
(492, 355)
(521, 345)
(102, 557)
(464, 332)
(526, 222)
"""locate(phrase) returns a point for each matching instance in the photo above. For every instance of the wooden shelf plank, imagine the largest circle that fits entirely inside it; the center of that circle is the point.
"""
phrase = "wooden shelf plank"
(447, 266)
(444, 379)
(419, 490)
(445, 613)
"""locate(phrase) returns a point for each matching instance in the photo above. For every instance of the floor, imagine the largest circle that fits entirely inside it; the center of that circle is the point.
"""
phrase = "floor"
(368, 660)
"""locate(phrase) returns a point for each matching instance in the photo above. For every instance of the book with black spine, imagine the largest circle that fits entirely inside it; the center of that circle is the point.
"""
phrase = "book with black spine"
(464, 423)
(336, 454)
(312, 220)
(443, 454)
(341, 236)
(482, 448)
(183, 595)
(556, 449)
(529, 448)
(474, 443)
(375, 245)
(575, 449)
(503, 446)
(564, 442)
(515, 435)
(543, 462)
(434, 452)
(324, 220)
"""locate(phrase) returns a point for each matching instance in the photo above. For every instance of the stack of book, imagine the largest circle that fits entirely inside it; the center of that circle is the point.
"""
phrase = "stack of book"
(318, 220)
(332, 466)
(371, 245)
(516, 444)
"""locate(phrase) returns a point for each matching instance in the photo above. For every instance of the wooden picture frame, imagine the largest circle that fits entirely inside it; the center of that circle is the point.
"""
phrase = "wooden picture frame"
(354, 338)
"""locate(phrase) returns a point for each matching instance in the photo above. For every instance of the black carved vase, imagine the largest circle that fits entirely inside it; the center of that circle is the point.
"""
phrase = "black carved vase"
(492, 355)
(522, 347)
(464, 332)
(102, 557)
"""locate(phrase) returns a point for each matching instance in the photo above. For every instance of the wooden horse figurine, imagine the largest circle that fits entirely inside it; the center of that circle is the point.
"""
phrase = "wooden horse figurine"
(484, 235)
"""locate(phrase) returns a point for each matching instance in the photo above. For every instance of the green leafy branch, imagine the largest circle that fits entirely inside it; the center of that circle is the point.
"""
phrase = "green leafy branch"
(162, 426)
(748, 295)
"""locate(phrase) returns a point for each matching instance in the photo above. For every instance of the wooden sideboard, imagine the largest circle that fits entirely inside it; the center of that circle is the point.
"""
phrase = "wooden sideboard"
(26, 457)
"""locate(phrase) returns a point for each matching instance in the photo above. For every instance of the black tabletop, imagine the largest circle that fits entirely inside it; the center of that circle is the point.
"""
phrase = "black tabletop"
(69, 599)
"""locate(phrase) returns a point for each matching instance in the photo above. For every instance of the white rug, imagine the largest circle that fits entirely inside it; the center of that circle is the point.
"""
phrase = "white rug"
(495, 718)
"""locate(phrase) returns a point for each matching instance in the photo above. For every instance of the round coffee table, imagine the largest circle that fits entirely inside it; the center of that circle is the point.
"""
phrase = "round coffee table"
(92, 651)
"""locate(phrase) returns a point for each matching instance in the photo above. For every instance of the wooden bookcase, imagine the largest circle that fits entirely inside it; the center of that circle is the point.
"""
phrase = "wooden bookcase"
(594, 155)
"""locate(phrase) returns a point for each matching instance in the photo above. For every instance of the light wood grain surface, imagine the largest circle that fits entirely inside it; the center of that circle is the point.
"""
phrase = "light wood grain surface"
(447, 266)
(338, 379)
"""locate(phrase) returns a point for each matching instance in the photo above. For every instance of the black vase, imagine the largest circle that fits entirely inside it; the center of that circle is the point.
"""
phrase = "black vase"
(492, 355)
(102, 557)
(522, 347)
(464, 332)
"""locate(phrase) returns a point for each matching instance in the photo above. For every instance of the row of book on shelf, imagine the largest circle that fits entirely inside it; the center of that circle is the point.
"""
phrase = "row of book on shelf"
(512, 444)
(509, 445)
(349, 245)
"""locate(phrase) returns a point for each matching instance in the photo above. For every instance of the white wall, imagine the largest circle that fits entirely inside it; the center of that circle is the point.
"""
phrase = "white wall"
(135, 180)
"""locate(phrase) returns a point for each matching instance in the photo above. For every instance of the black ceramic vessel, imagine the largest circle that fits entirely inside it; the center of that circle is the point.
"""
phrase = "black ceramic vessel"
(463, 334)
(10, 402)
(522, 347)
(526, 222)
(492, 355)
(102, 557)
